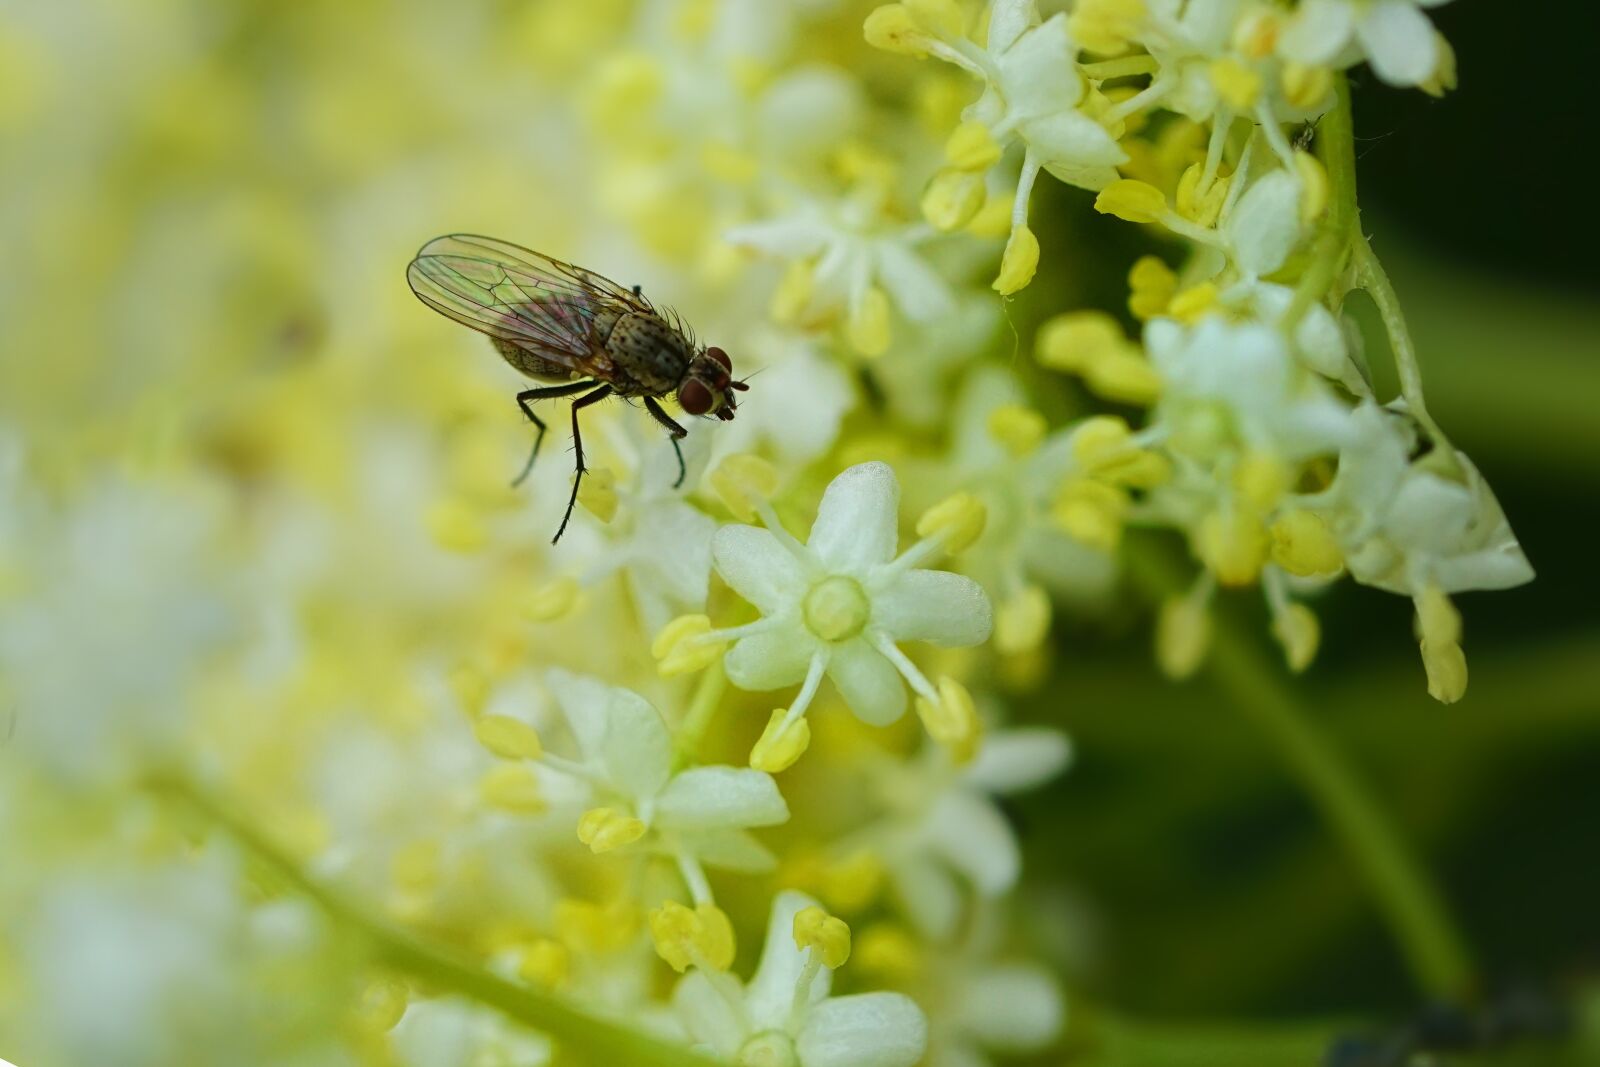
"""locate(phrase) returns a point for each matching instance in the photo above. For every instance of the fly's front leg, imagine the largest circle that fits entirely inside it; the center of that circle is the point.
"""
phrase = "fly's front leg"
(577, 446)
(678, 433)
(523, 400)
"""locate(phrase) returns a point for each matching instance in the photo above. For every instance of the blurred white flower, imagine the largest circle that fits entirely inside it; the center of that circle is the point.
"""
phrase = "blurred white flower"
(1393, 35)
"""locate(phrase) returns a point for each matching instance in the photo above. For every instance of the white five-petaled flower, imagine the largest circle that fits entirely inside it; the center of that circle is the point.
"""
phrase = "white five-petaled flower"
(784, 1017)
(1393, 35)
(695, 815)
(840, 603)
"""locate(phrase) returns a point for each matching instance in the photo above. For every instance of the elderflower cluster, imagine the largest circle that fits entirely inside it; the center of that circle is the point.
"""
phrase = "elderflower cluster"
(287, 668)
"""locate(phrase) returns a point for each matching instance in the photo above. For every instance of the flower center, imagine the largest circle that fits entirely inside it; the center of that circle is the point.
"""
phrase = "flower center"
(770, 1048)
(836, 608)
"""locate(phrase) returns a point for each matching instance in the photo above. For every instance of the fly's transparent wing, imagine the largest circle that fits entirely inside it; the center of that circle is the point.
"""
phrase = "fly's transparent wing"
(514, 294)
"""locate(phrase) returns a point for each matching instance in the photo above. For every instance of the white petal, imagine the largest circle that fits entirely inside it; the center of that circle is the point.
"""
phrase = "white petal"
(707, 1014)
(583, 702)
(771, 992)
(946, 609)
(915, 287)
(636, 750)
(1399, 41)
(868, 682)
(1007, 20)
(1038, 75)
(731, 850)
(1316, 32)
(865, 1030)
(929, 894)
(758, 568)
(1013, 760)
(971, 835)
(858, 520)
(770, 660)
(1265, 224)
(1072, 140)
(1011, 1008)
(792, 238)
(709, 798)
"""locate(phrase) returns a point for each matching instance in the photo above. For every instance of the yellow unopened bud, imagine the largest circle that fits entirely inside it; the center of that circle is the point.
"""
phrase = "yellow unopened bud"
(552, 600)
(1237, 85)
(893, 29)
(1131, 200)
(1018, 428)
(382, 1004)
(972, 147)
(1091, 512)
(852, 884)
(952, 198)
(889, 950)
(1201, 204)
(741, 481)
(1019, 263)
(829, 936)
(544, 963)
(941, 18)
(457, 526)
(780, 746)
(507, 738)
(1441, 81)
(1151, 284)
(1261, 478)
(792, 295)
(597, 493)
(1076, 340)
(471, 687)
(1022, 621)
(514, 788)
(952, 720)
(868, 325)
(1124, 378)
(699, 938)
(1313, 186)
(1305, 86)
(1194, 303)
(1298, 631)
(1302, 544)
(959, 518)
(604, 829)
(1183, 634)
(679, 648)
(1233, 544)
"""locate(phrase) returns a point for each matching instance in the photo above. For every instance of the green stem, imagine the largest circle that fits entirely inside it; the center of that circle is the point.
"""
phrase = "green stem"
(1336, 150)
(598, 1039)
(697, 720)
(1405, 895)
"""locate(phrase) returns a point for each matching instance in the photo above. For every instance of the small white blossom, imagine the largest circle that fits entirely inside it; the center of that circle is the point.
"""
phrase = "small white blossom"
(1393, 35)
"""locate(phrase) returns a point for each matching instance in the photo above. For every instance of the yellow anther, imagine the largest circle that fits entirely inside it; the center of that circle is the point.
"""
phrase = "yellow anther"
(1298, 631)
(972, 147)
(1022, 621)
(1019, 263)
(598, 493)
(952, 721)
(1194, 303)
(678, 648)
(1106, 27)
(1261, 478)
(1183, 635)
(1439, 628)
(1305, 86)
(592, 928)
(382, 1004)
(959, 518)
(1151, 284)
(604, 829)
(1091, 511)
(780, 746)
(1124, 378)
(868, 325)
(544, 963)
(507, 738)
(457, 525)
(514, 788)
(1237, 85)
(889, 950)
(941, 18)
(1132, 201)
(743, 480)
(551, 600)
(471, 687)
(1076, 340)
(1100, 442)
(1017, 427)
(415, 866)
(829, 936)
(792, 295)
(994, 218)
(1441, 81)
(1201, 204)
(952, 198)
(1313, 186)
(853, 883)
(699, 938)
(893, 29)
(1302, 544)
(1437, 618)
(1233, 544)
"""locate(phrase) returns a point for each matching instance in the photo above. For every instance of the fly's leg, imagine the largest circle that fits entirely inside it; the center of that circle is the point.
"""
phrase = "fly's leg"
(523, 399)
(577, 445)
(678, 433)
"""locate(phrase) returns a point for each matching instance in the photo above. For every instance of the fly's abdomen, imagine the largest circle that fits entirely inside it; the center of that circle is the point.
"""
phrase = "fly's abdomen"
(650, 356)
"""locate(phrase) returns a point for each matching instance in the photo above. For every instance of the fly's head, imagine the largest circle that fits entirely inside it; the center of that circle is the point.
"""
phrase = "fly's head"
(708, 386)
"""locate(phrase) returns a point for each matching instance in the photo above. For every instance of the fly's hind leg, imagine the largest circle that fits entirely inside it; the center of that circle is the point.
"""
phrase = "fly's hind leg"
(524, 398)
(678, 433)
(577, 446)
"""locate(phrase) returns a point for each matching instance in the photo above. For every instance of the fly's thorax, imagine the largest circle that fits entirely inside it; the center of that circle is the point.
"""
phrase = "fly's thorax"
(649, 355)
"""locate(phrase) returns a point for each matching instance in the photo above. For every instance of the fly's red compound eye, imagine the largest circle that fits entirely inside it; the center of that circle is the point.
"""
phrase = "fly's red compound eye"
(721, 357)
(694, 397)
